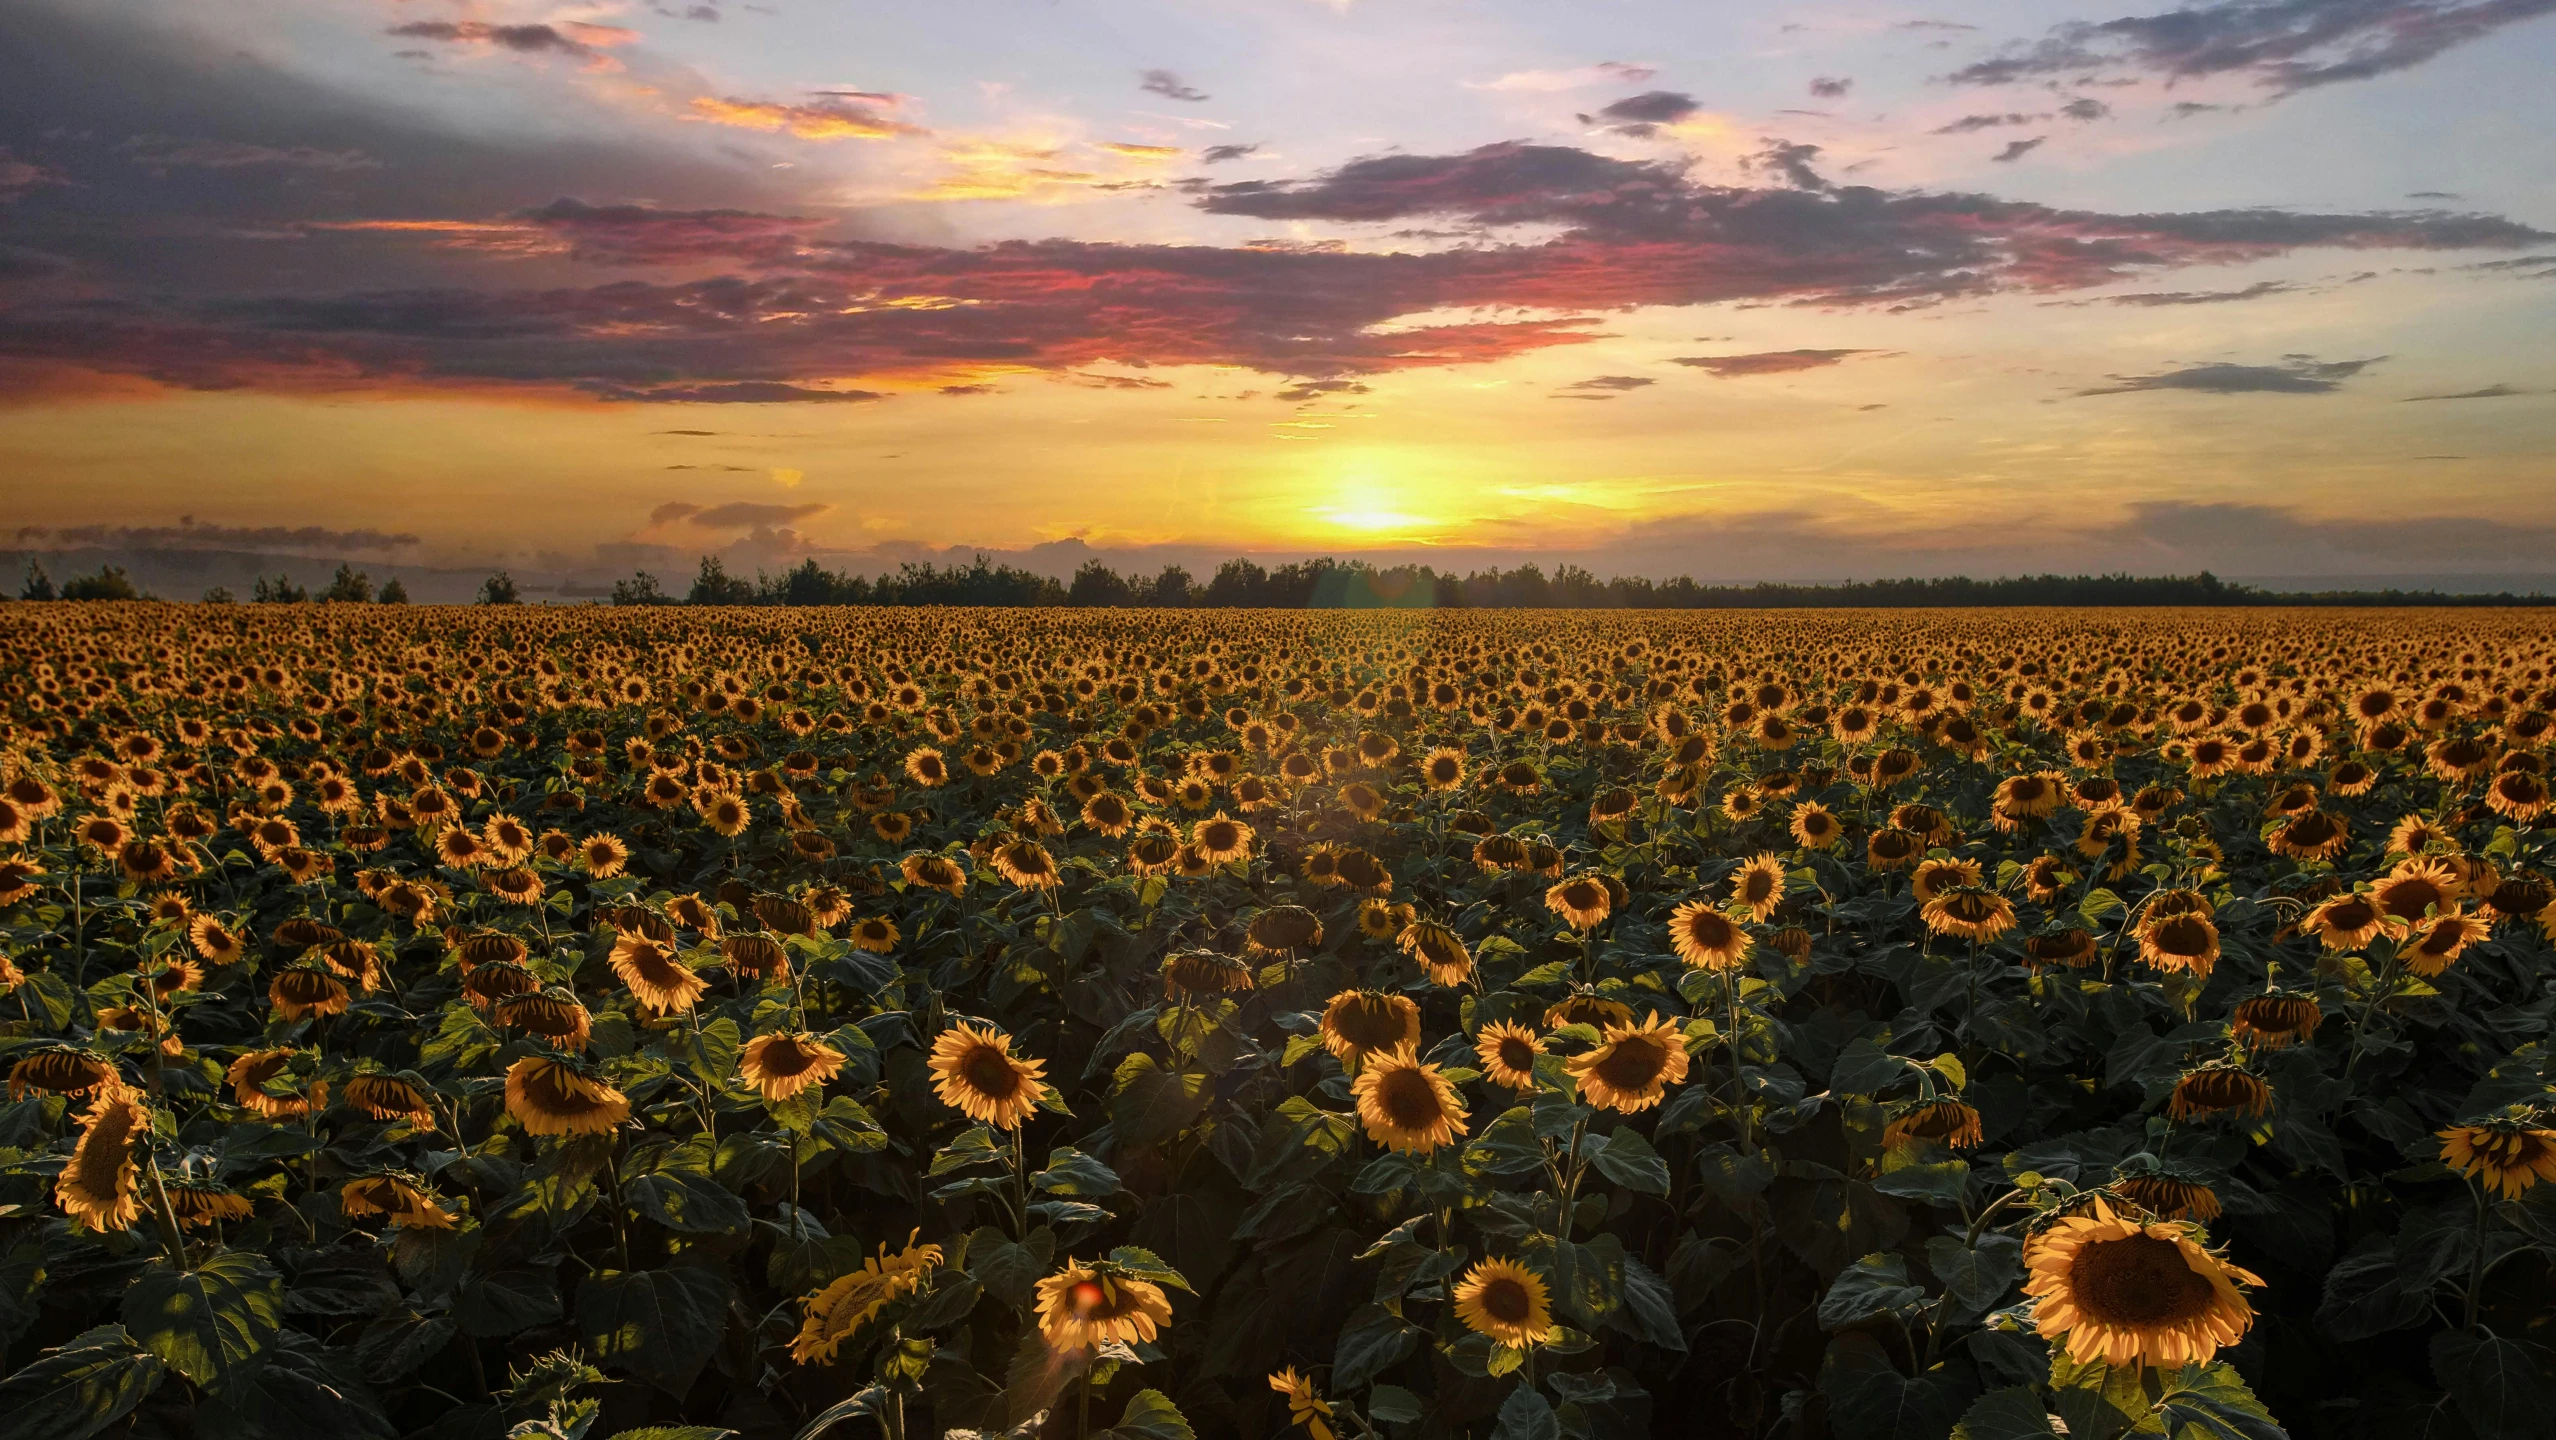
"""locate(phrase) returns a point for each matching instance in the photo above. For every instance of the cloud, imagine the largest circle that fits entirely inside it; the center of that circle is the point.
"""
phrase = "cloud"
(168, 151)
(2017, 149)
(1304, 390)
(742, 515)
(1545, 82)
(735, 392)
(1830, 87)
(192, 534)
(1643, 115)
(17, 176)
(2284, 46)
(1765, 362)
(967, 390)
(2154, 298)
(1218, 154)
(1167, 85)
(2490, 392)
(1602, 387)
(522, 39)
(2085, 108)
(1968, 124)
(2295, 375)
(828, 118)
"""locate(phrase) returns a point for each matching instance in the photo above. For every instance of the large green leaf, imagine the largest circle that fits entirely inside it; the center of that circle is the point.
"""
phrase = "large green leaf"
(1152, 1104)
(693, 1204)
(306, 1392)
(1628, 1159)
(658, 1325)
(2498, 1384)
(506, 1302)
(1526, 1415)
(73, 1392)
(1374, 1341)
(1010, 1269)
(1868, 1399)
(213, 1323)
(1150, 1415)
(2013, 1413)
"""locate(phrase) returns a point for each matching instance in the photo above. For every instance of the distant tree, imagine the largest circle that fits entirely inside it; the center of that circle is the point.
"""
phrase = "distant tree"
(715, 586)
(639, 589)
(108, 584)
(351, 586)
(1173, 587)
(220, 595)
(499, 589)
(1097, 584)
(394, 593)
(279, 591)
(39, 585)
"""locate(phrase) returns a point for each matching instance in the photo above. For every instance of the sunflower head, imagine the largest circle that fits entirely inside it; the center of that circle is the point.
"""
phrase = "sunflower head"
(1505, 1301)
(1086, 1305)
(2131, 1291)
(780, 1066)
(975, 1072)
(834, 1312)
(1360, 1023)
(1633, 1065)
(1203, 974)
(1406, 1105)
(1284, 928)
(552, 1096)
(2506, 1155)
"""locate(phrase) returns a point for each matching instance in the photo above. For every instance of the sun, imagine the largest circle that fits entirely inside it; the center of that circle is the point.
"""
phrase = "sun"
(1375, 522)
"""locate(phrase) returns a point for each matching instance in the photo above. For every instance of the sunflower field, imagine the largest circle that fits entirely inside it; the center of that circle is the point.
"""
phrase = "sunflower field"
(672, 1023)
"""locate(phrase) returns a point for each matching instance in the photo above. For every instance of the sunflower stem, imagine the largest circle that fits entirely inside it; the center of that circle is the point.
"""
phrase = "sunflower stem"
(620, 1219)
(170, 1238)
(2476, 1266)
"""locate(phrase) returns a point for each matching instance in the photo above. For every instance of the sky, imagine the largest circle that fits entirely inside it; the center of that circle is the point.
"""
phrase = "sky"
(1801, 291)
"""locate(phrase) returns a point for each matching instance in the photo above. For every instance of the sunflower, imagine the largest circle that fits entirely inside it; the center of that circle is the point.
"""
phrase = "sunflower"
(1195, 974)
(2188, 942)
(408, 1207)
(1633, 1065)
(2347, 922)
(1583, 901)
(2271, 1022)
(1505, 1301)
(1360, 1023)
(1283, 929)
(1109, 814)
(2022, 798)
(388, 1097)
(933, 872)
(926, 768)
(760, 956)
(1304, 1407)
(1440, 951)
(306, 990)
(1406, 1105)
(251, 1074)
(1221, 839)
(1443, 768)
(975, 1072)
(2216, 1088)
(1814, 827)
(214, 941)
(2311, 835)
(553, 1014)
(61, 1070)
(1943, 1122)
(780, 1066)
(2133, 1292)
(1706, 938)
(1508, 1052)
(1933, 877)
(1890, 848)
(17, 880)
(655, 975)
(1027, 864)
(2169, 1198)
(554, 1097)
(199, 1203)
(1969, 913)
(2507, 1156)
(854, 1298)
(101, 1184)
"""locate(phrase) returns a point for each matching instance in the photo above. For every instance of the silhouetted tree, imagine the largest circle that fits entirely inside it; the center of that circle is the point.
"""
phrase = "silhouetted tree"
(351, 586)
(279, 591)
(715, 586)
(1097, 584)
(220, 595)
(108, 584)
(39, 585)
(394, 593)
(499, 589)
(639, 589)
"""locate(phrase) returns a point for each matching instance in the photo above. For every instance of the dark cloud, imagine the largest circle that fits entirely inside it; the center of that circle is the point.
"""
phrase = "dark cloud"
(169, 150)
(967, 390)
(192, 534)
(522, 39)
(2155, 298)
(2085, 108)
(1789, 162)
(2284, 46)
(646, 235)
(2490, 392)
(1167, 85)
(739, 515)
(2186, 109)
(1970, 124)
(1944, 25)
(1765, 362)
(2017, 149)
(1602, 387)
(1830, 87)
(1218, 154)
(1304, 390)
(735, 392)
(1642, 116)
(2429, 195)
(2295, 375)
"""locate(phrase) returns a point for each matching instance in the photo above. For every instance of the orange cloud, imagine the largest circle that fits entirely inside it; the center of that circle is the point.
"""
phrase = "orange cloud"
(825, 120)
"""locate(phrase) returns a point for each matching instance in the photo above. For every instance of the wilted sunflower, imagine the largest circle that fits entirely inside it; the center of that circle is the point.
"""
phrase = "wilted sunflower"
(251, 1074)
(101, 1185)
(408, 1206)
(1201, 974)
(1582, 901)
(1406, 1105)
(199, 1203)
(1939, 1121)
(553, 1014)
(2167, 1197)
(1089, 1305)
(1283, 929)
(2134, 1292)
(654, 975)
(1304, 1407)
(61, 1070)
(2215, 1088)
(306, 991)
(2508, 1156)
(388, 1097)
(1508, 1052)
(1439, 950)
(1505, 1301)
(933, 872)
(1633, 1065)
(1360, 1023)
(852, 1299)
(2271, 1022)
(975, 1072)
(553, 1097)
(781, 1065)
(2188, 942)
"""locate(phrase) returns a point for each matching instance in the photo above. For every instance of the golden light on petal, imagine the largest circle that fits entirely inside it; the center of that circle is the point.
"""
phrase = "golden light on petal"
(1506, 1301)
(975, 1073)
(1086, 1305)
(2133, 1292)
(1406, 1105)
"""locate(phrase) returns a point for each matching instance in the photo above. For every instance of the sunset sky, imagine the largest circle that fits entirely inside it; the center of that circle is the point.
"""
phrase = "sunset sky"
(1743, 291)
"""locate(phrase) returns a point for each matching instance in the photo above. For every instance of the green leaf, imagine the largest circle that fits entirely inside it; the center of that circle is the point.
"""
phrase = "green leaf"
(2498, 1386)
(1150, 1415)
(1868, 1399)
(1151, 1104)
(692, 1204)
(658, 1325)
(1976, 1279)
(1009, 1271)
(1526, 1415)
(2097, 1401)
(868, 1400)
(399, 1340)
(2013, 1413)
(1393, 1405)
(1628, 1159)
(1144, 1264)
(715, 1051)
(1071, 1172)
(2097, 904)
(2214, 1403)
(1942, 1183)
(212, 1324)
(1864, 1068)
(1374, 1341)
(1874, 1285)
(506, 1302)
(976, 1145)
(1507, 1146)
(844, 1125)
(74, 1392)
(303, 1393)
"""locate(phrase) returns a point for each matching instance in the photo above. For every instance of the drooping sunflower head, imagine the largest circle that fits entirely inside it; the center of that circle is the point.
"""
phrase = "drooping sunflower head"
(2505, 1155)
(1282, 929)
(100, 1186)
(1086, 1305)
(409, 1205)
(62, 1070)
(388, 1097)
(1440, 951)
(2215, 1088)
(2187, 941)
(975, 1072)
(1582, 901)
(2270, 1022)
(1360, 1023)
(654, 975)
(933, 872)
(1505, 1301)
(853, 1299)
(1944, 1122)
(550, 1096)
(1203, 974)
